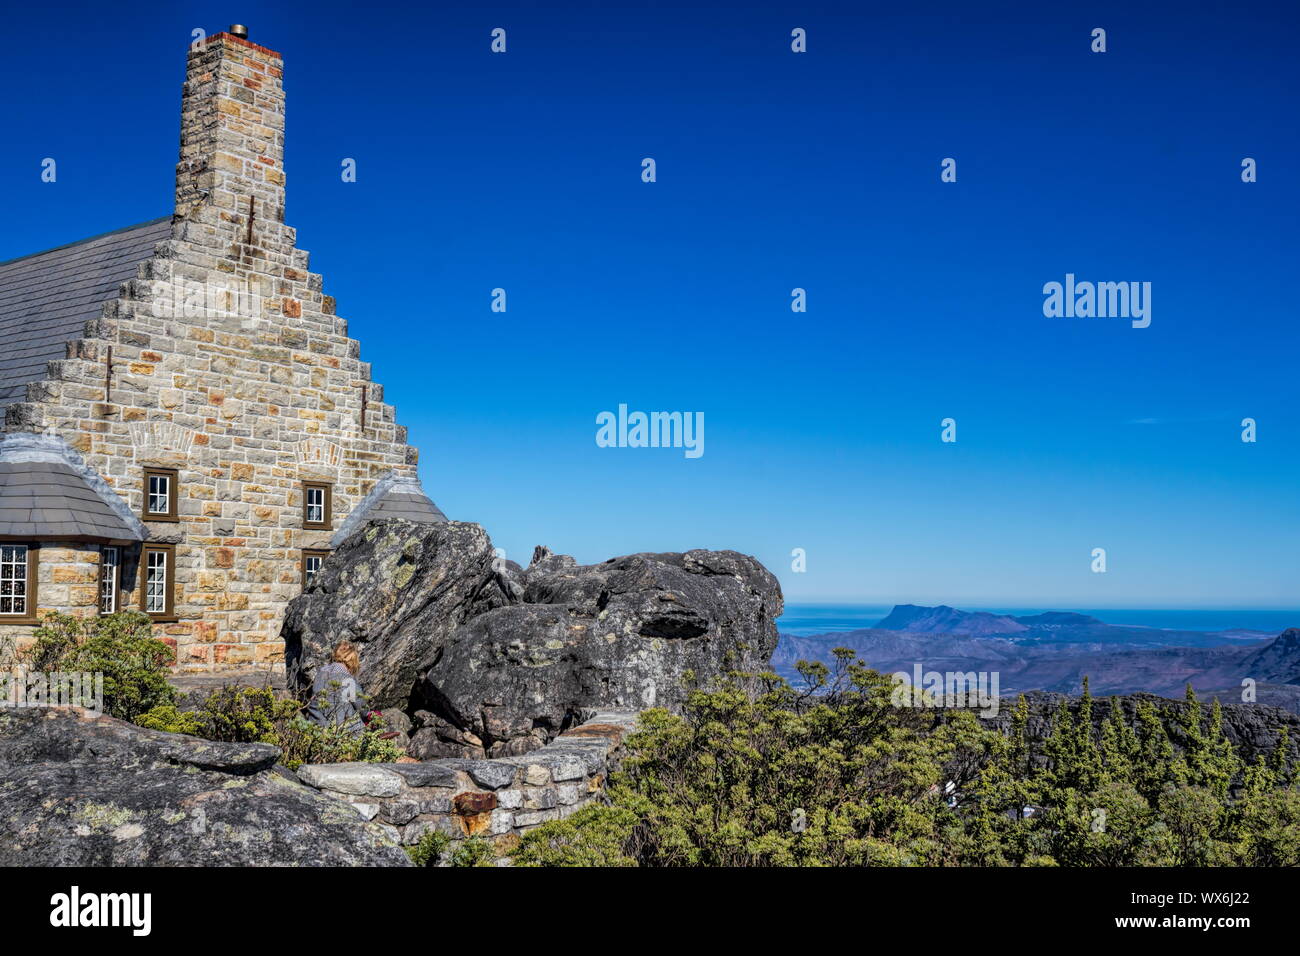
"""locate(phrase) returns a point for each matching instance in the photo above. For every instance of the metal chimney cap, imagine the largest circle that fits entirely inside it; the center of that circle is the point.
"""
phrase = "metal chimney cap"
(238, 30)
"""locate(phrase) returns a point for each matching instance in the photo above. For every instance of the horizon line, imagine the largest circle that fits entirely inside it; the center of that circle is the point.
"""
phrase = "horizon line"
(1054, 606)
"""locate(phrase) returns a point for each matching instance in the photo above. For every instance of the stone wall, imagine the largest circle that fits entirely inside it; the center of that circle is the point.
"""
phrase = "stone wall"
(496, 799)
(229, 363)
(67, 577)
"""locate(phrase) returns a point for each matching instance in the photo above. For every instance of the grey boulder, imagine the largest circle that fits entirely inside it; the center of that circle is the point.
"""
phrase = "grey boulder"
(397, 590)
(490, 659)
(83, 791)
(626, 634)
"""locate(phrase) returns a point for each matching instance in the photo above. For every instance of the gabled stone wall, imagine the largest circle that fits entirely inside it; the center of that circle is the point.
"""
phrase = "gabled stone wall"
(229, 363)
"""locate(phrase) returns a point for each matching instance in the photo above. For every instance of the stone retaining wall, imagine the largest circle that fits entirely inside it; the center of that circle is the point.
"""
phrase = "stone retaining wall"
(497, 799)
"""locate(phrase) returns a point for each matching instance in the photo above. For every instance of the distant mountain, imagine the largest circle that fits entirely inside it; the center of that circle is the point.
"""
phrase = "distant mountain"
(948, 620)
(1061, 619)
(1051, 627)
(1054, 652)
(1278, 661)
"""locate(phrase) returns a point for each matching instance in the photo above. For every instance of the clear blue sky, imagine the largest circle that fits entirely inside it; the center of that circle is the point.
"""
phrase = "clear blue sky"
(775, 170)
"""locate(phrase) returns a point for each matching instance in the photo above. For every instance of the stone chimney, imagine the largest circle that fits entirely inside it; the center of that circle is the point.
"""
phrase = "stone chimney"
(232, 131)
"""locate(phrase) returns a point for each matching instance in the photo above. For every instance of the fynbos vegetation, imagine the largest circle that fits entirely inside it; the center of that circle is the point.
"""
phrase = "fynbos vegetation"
(754, 772)
(256, 715)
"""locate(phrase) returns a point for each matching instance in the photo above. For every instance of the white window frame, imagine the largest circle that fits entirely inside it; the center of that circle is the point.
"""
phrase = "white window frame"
(316, 508)
(15, 569)
(110, 576)
(149, 583)
(163, 496)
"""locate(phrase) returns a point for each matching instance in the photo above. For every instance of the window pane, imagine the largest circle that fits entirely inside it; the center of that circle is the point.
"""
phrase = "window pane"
(108, 564)
(155, 583)
(316, 505)
(13, 579)
(159, 494)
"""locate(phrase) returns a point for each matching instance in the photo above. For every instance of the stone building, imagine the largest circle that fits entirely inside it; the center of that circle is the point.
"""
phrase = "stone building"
(188, 428)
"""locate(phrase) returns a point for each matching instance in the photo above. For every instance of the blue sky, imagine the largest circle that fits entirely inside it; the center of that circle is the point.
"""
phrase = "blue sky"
(776, 170)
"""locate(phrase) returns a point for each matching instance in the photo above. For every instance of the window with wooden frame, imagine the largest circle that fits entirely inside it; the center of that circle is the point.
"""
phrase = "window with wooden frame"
(110, 578)
(158, 581)
(312, 559)
(162, 488)
(317, 505)
(17, 584)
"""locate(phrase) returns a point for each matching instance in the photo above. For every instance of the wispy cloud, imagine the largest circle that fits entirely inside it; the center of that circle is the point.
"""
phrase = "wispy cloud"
(1183, 420)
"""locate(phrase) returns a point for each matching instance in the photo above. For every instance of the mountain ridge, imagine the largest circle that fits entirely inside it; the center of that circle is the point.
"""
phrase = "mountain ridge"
(1052, 652)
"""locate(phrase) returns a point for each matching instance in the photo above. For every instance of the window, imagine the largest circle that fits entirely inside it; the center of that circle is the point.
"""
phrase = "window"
(161, 489)
(109, 575)
(312, 559)
(158, 576)
(17, 582)
(317, 504)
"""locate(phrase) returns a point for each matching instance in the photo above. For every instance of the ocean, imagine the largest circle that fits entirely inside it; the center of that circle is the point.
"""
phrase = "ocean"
(802, 620)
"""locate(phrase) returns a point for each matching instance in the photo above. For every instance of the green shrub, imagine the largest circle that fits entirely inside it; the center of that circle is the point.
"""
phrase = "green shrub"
(245, 715)
(473, 852)
(430, 848)
(305, 742)
(120, 646)
(167, 717)
(257, 715)
(755, 773)
(594, 836)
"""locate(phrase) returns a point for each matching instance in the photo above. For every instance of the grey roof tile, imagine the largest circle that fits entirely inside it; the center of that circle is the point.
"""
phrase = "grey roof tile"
(46, 298)
(393, 496)
(48, 491)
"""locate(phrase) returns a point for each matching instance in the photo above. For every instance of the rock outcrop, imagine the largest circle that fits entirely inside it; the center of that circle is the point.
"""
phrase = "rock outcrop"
(490, 659)
(1278, 661)
(397, 590)
(96, 791)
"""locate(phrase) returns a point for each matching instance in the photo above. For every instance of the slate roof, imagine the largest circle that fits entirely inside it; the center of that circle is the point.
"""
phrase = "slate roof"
(48, 491)
(47, 297)
(393, 496)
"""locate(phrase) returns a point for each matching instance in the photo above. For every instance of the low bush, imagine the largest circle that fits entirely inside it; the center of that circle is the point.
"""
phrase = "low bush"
(120, 646)
(430, 848)
(257, 715)
(594, 836)
(473, 852)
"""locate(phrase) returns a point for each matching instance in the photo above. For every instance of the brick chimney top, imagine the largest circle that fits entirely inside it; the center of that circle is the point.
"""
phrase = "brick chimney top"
(237, 38)
(232, 129)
